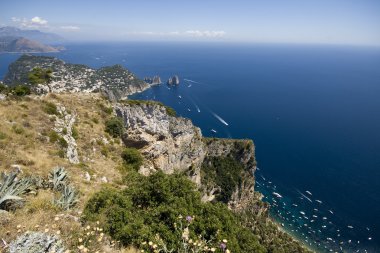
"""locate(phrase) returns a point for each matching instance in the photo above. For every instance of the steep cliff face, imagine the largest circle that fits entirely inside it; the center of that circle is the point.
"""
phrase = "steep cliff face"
(173, 144)
(116, 82)
(168, 143)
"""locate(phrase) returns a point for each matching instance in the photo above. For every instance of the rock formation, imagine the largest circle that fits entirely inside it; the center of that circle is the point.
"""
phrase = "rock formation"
(36, 242)
(153, 81)
(172, 144)
(174, 80)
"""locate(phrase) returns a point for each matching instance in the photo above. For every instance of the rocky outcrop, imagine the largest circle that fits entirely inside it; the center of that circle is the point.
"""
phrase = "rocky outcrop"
(64, 125)
(153, 80)
(36, 242)
(174, 80)
(173, 144)
(168, 143)
(115, 82)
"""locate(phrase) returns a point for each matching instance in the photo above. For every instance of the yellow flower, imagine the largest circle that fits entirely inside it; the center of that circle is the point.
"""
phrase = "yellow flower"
(212, 249)
(80, 239)
(228, 251)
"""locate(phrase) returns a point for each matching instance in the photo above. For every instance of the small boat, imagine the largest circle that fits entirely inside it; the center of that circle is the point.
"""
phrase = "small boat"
(331, 212)
(179, 96)
(212, 130)
(309, 193)
(317, 200)
(350, 227)
(277, 195)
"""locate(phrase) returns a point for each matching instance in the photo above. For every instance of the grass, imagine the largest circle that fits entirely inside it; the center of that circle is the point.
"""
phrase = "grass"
(32, 150)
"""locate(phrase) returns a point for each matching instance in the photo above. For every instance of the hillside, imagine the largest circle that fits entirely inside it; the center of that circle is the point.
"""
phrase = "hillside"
(35, 35)
(80, 133)
(24, 45)
(115, 81)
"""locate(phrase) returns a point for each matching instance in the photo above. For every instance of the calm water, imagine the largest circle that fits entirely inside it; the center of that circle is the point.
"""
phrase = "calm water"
(313, 113)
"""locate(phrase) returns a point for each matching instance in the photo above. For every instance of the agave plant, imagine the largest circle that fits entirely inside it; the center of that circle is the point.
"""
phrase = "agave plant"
(12, 188)
(57, 178)
(68, 199)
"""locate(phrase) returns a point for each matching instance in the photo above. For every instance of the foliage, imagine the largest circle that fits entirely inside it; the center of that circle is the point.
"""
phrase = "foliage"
(75, 133)
(224, 172)
(20, 90)
(151, 205)
(40, 76)
(114, 127)
(3, 88)
(132, 158)
(68, 199)
(57, 178)
(50, 108)
(12, 188)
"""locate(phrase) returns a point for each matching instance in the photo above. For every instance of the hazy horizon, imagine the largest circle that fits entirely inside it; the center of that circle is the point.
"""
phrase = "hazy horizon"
(290, 22)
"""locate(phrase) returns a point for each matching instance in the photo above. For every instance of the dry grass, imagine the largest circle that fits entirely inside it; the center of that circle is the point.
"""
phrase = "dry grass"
(24, 141)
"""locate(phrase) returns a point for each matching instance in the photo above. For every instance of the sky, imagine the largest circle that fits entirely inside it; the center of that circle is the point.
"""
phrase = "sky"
(353, 22)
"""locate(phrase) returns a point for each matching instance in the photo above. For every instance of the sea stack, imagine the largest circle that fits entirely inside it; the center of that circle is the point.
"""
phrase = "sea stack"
(153, 81)
(174, 80)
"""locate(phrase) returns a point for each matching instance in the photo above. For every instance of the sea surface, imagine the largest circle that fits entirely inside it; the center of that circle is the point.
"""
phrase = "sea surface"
(312, 111)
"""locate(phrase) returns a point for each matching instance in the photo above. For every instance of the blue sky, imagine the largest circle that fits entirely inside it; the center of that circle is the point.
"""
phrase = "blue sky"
(275, 21)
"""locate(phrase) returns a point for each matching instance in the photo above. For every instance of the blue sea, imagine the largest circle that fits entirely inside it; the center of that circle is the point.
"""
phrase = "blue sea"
(313, 112)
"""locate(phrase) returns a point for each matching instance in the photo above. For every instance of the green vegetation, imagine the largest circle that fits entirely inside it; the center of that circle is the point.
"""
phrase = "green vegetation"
(114, 127)
(170, 111)
(132, 158)
(152, 205)
(225, 172)
(20, 90)
(40, 76)
(18, 129)
(50, 108)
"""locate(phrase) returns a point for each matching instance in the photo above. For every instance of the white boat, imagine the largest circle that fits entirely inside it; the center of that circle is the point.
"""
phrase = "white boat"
(212, 130)
(309, 193)
(350, 227)
(277, 195)
(317, 200)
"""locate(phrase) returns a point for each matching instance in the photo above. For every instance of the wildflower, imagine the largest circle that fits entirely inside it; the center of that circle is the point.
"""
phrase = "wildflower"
(150, 243)
(58, 232)
(180, 217)
(212, 249)
(189, 218)
(228, 251)
(143, 243)
(80, 240)
(56, 219)
(190, 241)
(223, 246)
(80, 247)
(154, 246)
(224, 240)
(46, 230)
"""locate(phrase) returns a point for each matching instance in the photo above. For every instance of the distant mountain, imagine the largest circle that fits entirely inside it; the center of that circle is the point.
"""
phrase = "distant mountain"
(36, 35)
(23, 45)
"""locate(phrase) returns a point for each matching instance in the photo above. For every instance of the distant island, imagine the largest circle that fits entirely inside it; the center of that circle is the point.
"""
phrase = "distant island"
(174, 80)
(14, 40)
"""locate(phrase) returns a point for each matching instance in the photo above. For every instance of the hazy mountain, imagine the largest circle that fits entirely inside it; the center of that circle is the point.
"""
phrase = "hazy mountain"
(20, 44)
(36, 35)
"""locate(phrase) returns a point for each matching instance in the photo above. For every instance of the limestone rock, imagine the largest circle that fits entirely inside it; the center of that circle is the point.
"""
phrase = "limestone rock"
(36, 242)
(5, 217)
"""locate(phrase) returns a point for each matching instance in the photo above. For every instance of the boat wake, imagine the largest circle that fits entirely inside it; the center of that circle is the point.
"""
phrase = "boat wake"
(219, 118)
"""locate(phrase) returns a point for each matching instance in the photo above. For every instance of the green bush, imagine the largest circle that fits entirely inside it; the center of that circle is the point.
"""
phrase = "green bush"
(224, 172)
(3, 88)
(21, 90)
(151, 205)
(132, 158)
(50, 108)
(40, 76)
(115, 127)
(75, 133)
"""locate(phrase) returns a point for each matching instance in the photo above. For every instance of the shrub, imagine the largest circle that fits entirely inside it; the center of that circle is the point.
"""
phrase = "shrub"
(40, 76)
(3, 88)
(21, 90)
(50, 108)
(224, 172)
(151, 206)
(75, 133)
(114, 127)
(18, 129)
(132, 158)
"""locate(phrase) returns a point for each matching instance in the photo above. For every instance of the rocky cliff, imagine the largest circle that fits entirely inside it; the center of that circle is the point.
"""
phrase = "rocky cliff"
(173, 144)
(116, 82)
(174, 80)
